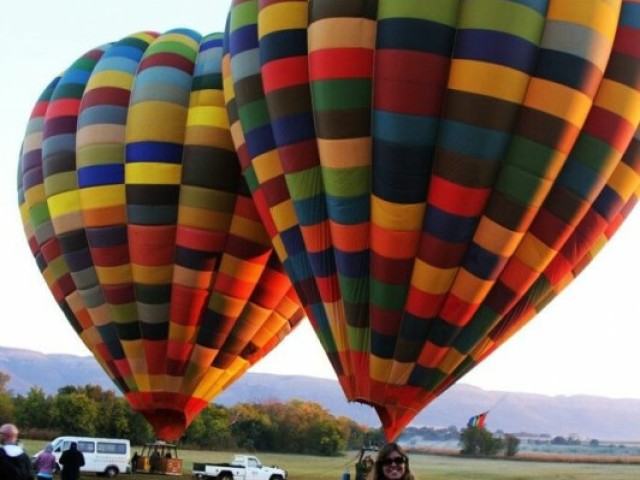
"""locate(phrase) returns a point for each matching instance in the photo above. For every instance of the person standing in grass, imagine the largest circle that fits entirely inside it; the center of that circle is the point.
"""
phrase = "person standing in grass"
(71, 461)
(392, 463)
(45, 464)
(14, 462)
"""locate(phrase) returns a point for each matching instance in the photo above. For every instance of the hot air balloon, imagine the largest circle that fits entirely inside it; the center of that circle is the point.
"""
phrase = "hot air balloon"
(432, 174)
(142, 225)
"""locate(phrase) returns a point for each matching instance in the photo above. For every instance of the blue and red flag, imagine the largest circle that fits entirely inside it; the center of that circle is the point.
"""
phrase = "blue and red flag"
(478, 420)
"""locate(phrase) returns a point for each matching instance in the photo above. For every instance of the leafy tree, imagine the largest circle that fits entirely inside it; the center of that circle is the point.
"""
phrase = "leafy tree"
(574, 439)
(7, 408)
(327, 436)
(254, 428)
(296, 427)
(34, 410)
(95, 392)
(112, 419)
(511, 445)
(355, 434)
(291, 423)
(67, 389)
(140, 432)
(558, 440)
(75, 413)
(211, 429)
(479, 442)
(306, 427)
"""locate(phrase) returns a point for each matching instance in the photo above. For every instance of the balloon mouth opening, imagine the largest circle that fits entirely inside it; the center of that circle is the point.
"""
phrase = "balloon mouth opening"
(394, 418)
(386, 414)
(168, 424)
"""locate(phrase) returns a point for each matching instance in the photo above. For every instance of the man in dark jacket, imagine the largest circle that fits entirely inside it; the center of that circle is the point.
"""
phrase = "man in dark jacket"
(71, 461)
(14, 462)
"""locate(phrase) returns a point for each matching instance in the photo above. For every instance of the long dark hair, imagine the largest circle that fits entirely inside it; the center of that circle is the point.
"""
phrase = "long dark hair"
(383, 453)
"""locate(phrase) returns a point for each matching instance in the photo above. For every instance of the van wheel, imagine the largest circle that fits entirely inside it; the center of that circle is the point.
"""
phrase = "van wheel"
(110, 472)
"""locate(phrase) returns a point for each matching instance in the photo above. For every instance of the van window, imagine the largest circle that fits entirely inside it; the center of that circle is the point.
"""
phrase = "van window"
(112, 447)
(86, 447)
(83, 446)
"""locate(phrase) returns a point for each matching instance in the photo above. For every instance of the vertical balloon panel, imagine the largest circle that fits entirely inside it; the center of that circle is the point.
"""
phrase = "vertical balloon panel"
(100, 167)
(153, 166)
(341, 101)
(257, 142)
(31, 198)
(67, 248)
(36, 218)
(412, 63)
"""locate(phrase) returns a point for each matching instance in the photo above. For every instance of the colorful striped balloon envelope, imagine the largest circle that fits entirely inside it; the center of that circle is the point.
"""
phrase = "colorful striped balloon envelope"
(432, 173)
(143, 227)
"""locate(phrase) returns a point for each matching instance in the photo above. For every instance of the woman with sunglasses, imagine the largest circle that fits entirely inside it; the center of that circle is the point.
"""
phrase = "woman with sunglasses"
(392, 463)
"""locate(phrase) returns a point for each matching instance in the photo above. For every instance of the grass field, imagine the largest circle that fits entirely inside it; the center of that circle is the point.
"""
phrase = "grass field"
(425, 466)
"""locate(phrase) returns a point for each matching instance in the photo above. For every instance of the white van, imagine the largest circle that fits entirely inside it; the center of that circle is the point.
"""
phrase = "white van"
(106, 456)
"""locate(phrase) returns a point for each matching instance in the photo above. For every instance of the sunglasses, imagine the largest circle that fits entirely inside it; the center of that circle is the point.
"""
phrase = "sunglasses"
(393, 461)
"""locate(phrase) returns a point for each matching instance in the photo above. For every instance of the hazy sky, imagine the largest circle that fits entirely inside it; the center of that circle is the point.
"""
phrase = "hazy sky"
(585, 342)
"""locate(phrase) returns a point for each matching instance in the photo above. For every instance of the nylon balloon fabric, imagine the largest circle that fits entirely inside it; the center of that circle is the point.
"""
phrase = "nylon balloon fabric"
(143, 227)
(432, 174)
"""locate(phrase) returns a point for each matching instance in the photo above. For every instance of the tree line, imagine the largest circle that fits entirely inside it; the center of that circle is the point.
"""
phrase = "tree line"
(293, 427)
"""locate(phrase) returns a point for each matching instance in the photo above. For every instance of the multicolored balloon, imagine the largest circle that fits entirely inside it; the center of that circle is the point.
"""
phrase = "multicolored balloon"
(135, 209)
(432, 173)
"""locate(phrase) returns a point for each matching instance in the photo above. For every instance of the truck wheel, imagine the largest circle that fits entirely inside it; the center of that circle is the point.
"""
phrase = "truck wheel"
(226, 476)
(276, 477)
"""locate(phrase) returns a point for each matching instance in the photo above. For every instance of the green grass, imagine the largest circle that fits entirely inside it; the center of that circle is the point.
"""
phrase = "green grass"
(426, 467)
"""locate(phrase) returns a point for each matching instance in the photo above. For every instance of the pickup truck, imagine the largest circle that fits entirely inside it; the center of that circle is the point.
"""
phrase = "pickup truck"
(242, 467)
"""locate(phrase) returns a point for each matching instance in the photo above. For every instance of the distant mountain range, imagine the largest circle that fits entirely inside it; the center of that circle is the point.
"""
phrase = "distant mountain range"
(588, 417)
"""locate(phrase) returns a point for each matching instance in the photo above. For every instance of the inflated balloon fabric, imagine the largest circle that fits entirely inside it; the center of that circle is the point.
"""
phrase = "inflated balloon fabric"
(136, 211)
(432, 173)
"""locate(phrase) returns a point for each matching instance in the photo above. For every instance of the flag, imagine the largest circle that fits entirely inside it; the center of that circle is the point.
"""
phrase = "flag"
(478, 420)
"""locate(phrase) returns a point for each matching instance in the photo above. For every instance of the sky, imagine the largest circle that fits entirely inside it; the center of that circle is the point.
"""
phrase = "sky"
(584, 342)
